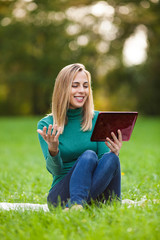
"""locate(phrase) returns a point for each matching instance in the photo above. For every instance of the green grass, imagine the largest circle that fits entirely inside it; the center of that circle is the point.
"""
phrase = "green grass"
(24, 178)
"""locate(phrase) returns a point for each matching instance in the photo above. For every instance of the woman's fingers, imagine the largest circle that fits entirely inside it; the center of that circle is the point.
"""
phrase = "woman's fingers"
(44, 133)
(116, 144)
(110, 141)
(40, 131)
(114, 137)
(50, 136)
(58, 134)
(112, 145)
(54, 130)
(119, 139)
(119, 135)
(49, 130)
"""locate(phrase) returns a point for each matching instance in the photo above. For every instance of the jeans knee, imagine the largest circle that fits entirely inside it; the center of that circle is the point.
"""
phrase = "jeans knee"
(89, 157)
(115, 160)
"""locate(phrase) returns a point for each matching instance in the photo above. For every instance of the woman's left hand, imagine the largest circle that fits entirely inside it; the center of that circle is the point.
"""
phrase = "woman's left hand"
(116, 144)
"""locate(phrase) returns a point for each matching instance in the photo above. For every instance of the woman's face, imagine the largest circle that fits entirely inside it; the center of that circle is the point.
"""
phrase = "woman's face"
(79, 90)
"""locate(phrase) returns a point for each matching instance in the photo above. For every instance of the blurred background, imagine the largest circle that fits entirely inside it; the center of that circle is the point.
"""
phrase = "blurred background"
(117, 41)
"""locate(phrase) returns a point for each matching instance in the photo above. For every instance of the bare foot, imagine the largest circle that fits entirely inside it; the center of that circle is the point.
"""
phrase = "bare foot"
(66, 209)
(77, 207)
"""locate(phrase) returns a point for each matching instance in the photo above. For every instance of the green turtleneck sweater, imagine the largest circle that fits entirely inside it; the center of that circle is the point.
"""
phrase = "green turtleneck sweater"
(72, 143)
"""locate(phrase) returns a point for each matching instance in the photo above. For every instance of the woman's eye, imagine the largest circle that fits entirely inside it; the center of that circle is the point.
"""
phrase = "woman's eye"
(75, 86)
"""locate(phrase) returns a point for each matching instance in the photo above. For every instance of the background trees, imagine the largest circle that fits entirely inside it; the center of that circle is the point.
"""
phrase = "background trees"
(38, 38)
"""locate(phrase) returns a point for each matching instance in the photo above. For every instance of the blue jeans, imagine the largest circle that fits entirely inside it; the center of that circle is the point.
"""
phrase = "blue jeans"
(89, 179)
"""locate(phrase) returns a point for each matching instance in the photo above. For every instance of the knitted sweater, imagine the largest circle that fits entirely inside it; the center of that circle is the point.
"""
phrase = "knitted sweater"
(72, 143)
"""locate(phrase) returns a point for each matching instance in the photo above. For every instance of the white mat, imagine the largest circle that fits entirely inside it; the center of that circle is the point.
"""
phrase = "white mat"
(44, 207)
(23, 206)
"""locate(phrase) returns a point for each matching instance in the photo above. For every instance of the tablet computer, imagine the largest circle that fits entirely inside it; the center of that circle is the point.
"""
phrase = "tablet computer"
(108, 122)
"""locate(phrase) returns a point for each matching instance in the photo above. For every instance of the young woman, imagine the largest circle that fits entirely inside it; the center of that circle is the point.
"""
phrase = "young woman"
(82, 170)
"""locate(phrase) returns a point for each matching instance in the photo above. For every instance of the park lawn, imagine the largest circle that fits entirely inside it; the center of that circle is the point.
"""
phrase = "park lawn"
(24, 178)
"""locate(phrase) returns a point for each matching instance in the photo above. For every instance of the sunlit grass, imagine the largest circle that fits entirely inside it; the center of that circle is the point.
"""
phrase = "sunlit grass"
(24, 178)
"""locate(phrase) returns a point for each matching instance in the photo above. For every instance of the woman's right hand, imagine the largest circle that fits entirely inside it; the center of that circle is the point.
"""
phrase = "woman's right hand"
(51, 138)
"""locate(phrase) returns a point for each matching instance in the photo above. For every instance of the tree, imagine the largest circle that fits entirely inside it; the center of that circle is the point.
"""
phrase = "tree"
(38, 38)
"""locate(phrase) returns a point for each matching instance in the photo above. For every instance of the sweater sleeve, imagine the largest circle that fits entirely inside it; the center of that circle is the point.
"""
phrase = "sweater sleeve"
(102, 149)
(53, 164)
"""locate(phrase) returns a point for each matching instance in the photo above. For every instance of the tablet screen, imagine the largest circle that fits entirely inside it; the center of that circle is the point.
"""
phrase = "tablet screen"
(108, 122)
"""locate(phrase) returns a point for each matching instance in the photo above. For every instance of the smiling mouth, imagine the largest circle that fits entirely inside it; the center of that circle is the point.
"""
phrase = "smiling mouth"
(79, 99)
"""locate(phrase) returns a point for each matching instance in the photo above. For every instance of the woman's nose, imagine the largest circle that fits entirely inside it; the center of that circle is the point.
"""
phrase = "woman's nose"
(81, 89)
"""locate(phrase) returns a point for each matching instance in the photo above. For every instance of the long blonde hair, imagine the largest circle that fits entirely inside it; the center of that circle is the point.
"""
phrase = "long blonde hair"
(61, 97)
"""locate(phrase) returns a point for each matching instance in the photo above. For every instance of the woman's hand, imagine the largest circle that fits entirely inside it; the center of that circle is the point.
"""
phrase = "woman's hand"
(115, 145)
(51, 138)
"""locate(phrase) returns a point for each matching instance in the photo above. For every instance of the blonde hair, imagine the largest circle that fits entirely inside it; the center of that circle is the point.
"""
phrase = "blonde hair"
(61, 97)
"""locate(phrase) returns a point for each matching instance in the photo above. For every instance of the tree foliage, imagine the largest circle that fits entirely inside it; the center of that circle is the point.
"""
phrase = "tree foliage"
(38, 38)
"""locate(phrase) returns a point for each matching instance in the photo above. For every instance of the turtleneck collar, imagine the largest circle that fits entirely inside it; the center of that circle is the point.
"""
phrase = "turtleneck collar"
(74, 113)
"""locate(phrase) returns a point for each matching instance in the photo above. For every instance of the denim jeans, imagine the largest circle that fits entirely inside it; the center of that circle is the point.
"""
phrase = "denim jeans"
(89, 179)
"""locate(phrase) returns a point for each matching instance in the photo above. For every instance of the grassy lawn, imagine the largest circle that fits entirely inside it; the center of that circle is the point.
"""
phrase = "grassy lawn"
(24, 178)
